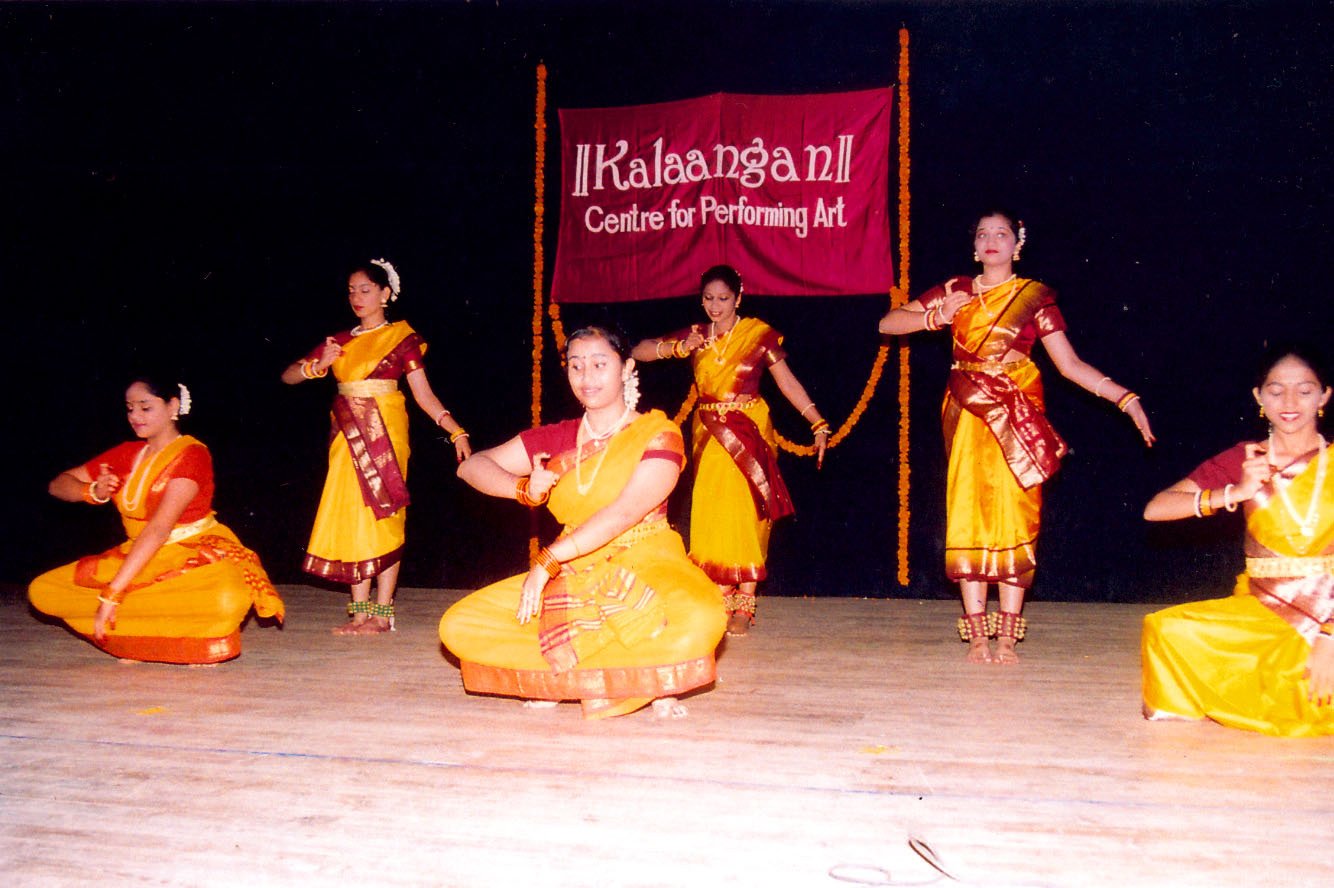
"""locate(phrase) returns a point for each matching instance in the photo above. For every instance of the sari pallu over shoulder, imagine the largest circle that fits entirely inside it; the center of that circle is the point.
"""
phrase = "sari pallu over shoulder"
(356, 416)
(1288, 572)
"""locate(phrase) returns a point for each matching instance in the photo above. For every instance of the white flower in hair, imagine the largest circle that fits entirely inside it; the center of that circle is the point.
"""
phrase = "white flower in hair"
(184, 398)
(395, 285)
(630, 391)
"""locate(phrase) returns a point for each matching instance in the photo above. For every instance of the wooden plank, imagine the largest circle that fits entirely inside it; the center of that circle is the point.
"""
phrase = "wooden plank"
(838, 728)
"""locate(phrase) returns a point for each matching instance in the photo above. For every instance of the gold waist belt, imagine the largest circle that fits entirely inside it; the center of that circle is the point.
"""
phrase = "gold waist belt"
(633, 535)
(1268, 568)
(367, 388)
(728, 406)
(990, 366)
(185, 531)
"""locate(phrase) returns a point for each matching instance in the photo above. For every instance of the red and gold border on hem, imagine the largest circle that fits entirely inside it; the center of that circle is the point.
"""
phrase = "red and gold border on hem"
(580, 684)
(350, 571)
(157, 649)
(731, 574)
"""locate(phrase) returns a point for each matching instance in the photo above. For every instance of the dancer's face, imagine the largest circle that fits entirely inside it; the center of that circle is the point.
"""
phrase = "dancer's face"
(596, 373)
(1291, 395)
(148, 414)
(719, 303)
(366, 297)
(994, 240)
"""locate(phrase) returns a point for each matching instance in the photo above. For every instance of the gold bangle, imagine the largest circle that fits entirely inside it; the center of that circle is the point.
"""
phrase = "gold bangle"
(547, 562)
(657, 349)
(459, 434)
(1126, 400)
(521, 493)
(1206, 507)
(90, 495)
(679, 349)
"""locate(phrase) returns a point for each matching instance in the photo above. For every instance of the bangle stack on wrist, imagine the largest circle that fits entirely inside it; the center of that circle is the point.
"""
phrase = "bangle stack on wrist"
(547, 562)
(459, 434)
(679, 349)
(521, 493)
(1125, 400)
(310, 371)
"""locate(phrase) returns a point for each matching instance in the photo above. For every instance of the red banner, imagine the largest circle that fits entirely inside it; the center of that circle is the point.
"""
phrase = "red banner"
(791, 190)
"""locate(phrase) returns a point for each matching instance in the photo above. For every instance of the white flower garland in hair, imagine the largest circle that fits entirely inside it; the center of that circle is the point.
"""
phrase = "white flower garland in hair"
(184, 398)
(630, 391)
(395, 285)
(1023, 236)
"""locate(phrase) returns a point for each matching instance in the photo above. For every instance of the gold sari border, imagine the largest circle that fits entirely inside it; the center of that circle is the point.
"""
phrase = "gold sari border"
(185, 531)
(350, 571)
(992, 367)
(1289, 566)
(367, 388)
(732, 574)
(155, 649)
(581, 684)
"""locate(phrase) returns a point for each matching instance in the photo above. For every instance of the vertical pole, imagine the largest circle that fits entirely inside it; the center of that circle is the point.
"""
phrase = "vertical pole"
(897, 298)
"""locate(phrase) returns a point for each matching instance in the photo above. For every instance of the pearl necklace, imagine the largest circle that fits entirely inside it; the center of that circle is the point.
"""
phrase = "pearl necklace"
(980, 287)
(132, 504)
(357, 330)
(718, 344)
(590, 435)
(1306, 524)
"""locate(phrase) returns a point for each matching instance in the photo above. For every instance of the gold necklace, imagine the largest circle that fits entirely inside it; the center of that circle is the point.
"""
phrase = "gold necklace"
(595, 437)
(718, 344)
(132, 504)
(1307, 523)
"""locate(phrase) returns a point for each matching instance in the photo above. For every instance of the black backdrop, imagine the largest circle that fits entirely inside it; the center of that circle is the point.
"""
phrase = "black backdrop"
(187, 183)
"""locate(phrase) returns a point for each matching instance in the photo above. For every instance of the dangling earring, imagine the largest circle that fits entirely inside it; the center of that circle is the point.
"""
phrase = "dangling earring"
(1262, 411)
(976, 258)
(630, 390)
(1320, 413)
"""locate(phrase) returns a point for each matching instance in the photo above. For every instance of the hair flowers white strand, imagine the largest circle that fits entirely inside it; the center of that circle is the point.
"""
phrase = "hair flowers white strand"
(395, 285)
(184, 398)
(630, 390)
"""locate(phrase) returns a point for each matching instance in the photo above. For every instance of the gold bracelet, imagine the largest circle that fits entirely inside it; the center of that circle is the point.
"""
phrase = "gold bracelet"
(459, 434)
(521, 493)
(679, 349)
(1126, 400)
(547, 562)
(1206, 507)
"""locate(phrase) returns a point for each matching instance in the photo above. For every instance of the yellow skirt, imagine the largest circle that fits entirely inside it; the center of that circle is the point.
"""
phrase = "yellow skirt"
(1232, 660)
(189, 612)
(991, 531)
(348, 544)
(728, 540)
(498, 655)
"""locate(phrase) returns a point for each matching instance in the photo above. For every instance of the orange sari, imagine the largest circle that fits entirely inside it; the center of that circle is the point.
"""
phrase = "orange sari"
(622, 625)
(188, 602)
(1001, 447)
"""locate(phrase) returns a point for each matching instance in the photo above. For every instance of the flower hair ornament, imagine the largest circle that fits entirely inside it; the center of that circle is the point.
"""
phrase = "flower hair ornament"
(184, 398)
(395, 285)
(1019, 241)
(630, 390)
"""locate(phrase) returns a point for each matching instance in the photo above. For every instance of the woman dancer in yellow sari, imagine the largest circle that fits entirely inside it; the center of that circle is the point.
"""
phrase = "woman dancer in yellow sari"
(1001, 446)
(359, 527)
(1262, 659)
(738, 491)
(612, 613)
(178, 588)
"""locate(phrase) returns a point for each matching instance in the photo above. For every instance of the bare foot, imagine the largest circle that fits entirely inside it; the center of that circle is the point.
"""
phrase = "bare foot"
(669, 707)
(540, 704)
(372, 626)
(352, 626)
(738, 624)
(979, 651)
(1005, 653)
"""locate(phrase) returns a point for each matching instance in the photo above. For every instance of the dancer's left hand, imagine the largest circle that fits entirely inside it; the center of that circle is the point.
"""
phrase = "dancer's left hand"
(530, 600)
(1320, 671)
(1136, 412)
(105, 619)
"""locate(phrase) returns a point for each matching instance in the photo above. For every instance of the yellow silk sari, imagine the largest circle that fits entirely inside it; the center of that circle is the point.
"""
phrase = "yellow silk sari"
(1000, 446)
(621, 626)
(188, 602)
(349, 542)
(729, 538)
(1240, 660)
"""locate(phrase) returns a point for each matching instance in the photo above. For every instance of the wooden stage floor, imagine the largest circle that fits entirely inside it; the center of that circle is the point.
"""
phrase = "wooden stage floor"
(838, 729)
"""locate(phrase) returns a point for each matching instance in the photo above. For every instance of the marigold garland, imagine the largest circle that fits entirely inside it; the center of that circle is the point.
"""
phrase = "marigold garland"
(539, 212)
(898, 297)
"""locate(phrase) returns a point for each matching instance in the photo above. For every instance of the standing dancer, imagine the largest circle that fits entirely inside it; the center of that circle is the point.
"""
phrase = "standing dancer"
(1261, 659)
(359, 528)
(611, 613)
(1001, 446)
(738, 492)
(178, 588)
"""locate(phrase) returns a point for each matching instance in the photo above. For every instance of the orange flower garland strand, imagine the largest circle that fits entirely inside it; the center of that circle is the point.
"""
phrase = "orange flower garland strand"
(898, 297)
(539, 212)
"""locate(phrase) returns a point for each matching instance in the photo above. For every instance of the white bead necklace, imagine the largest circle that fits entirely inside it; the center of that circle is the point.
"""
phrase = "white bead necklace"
(132, 503)
(981, 287)
(1306, 524)
(357, 330)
